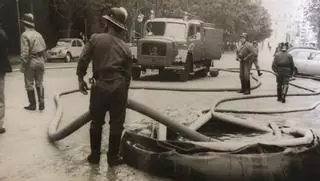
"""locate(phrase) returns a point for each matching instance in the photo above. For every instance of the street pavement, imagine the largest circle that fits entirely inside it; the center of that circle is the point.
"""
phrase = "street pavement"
(26, 154)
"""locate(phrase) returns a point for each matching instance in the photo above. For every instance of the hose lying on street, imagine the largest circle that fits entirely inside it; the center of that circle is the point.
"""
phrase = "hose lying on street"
(54, 134)
(216, 112)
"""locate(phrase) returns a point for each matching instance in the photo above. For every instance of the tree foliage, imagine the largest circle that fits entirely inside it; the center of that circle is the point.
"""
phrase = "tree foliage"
(312, 14)
(234, 17)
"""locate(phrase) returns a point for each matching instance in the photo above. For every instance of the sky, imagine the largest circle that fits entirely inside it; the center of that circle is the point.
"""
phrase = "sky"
(283, 14)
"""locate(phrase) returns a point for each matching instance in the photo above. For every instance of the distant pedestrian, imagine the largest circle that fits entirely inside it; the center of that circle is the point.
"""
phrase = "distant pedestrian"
(112, 60)
(245, 55)
(4, 68)
(269, 46)
(283, 66)
(255, 57)
(32, 62)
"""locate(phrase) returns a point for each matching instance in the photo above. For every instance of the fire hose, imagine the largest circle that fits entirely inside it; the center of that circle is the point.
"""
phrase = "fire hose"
(55, 134)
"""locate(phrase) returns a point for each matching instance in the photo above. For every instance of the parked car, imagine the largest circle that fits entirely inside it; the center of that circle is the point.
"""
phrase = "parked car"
(302, 48)
(67, 49)
(306, 60)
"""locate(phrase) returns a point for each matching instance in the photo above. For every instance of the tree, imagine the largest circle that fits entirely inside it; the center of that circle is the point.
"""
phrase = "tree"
(312, 14)
(234, 17)
(68, 12)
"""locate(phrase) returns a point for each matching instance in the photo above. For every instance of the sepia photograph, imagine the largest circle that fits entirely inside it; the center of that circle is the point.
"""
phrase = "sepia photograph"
(159, 90)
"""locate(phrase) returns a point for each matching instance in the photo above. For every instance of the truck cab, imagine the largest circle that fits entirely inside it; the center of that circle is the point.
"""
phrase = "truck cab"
(181, 46)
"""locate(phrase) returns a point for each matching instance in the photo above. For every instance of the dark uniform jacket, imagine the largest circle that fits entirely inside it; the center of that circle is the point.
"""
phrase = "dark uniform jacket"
(246, 52)
(111, 59)
(4, 60)
(283, 64)
(256, 53)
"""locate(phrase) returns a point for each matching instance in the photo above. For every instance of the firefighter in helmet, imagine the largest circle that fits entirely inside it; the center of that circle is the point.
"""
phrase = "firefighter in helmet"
(283, 66)
(245, 55)
(111, 67)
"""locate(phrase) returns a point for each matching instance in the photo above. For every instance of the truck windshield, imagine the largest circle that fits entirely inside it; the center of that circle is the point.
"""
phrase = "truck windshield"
(175, 30)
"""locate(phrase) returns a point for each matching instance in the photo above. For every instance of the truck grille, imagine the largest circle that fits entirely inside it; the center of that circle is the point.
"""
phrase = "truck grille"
(154, 49)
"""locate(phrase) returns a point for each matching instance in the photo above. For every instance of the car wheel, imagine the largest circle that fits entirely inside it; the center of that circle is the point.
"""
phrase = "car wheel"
(214, 73)
(68, 58)
(136, 73)
(184, 75)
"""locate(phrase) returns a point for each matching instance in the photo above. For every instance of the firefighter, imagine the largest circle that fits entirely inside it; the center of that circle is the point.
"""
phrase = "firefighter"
(5, 67)
(255, 57)
(277, 50)
(283, 66)
(112, 61)
(245, 55)
(32, 62)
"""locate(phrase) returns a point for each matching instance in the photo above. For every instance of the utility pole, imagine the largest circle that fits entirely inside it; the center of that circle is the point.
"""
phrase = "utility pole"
(31, 8)
(18, 16)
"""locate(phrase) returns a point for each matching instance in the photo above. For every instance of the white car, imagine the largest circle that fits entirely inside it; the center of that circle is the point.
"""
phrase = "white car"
(306, 60)
(67, 49)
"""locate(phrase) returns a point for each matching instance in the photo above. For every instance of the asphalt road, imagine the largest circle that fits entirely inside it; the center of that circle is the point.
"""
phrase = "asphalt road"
(25, 153)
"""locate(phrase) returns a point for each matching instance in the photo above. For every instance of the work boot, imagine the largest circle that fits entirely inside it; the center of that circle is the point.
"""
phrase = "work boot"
(247, 88)
(279, 94)
(2, 130)
(40, 92)
(242, 87)
(113, 153)
(284, 93)
(259, 73)
(32, 100)
(94, 157)
(95, 144)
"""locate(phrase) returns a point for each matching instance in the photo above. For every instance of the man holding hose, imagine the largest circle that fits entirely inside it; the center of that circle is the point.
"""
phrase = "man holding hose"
(111, 64)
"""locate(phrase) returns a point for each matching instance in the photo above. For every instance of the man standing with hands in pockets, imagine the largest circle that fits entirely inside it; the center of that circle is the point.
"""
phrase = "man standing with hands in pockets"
(33, 58)
(245, 54)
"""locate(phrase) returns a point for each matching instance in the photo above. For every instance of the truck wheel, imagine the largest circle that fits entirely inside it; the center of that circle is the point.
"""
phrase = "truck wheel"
(203, 73)
(136, 73)
(162, 73)
(214, 73)
(184, 75)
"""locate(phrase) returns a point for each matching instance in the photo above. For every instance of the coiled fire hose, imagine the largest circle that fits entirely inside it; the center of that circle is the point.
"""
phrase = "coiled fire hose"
(55, 134)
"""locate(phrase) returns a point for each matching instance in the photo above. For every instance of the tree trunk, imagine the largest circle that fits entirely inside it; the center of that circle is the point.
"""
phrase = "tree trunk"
(69, 29)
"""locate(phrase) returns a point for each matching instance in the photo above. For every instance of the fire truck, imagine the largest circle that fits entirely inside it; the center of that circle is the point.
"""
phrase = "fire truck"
(181, 46)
